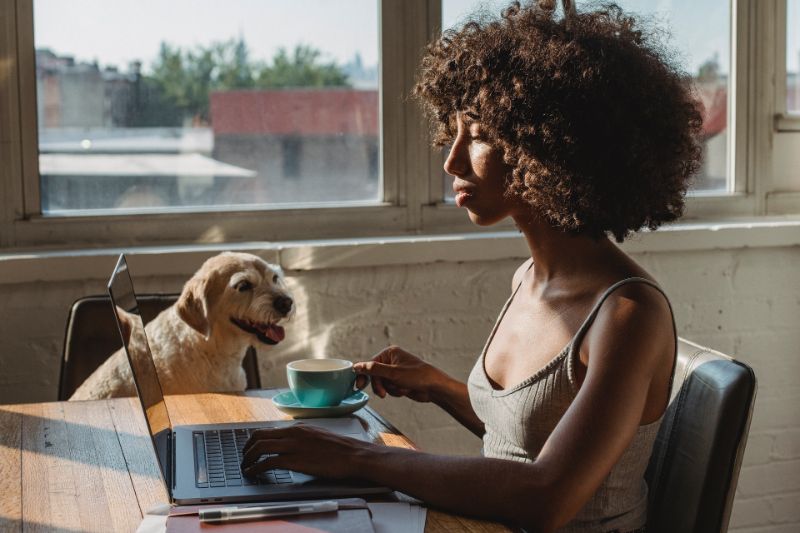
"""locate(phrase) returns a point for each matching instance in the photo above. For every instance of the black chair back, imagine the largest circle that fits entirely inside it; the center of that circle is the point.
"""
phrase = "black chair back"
(694, 467)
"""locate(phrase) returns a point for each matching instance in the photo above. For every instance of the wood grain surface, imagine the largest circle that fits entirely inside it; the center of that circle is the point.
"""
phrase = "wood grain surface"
(89, 466)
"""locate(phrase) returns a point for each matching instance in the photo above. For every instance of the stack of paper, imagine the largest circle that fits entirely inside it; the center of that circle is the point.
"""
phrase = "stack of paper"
(398, 517)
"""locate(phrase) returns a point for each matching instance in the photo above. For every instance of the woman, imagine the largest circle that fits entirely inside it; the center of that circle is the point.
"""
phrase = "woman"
(576, 128)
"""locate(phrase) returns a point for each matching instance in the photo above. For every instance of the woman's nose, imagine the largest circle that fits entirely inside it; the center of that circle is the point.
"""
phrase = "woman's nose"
(457, 162)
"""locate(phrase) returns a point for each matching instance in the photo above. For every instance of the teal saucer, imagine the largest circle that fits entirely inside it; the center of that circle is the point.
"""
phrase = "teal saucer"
(288, 403)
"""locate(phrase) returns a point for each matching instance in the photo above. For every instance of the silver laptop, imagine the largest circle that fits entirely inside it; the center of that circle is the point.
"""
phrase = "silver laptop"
(200, 463)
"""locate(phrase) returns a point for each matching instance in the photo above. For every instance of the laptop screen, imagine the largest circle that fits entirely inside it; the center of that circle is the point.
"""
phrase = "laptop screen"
(134, 340)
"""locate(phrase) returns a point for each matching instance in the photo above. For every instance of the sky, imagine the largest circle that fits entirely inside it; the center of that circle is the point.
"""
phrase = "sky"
(115, 32)
(699, 28)
(793, 36)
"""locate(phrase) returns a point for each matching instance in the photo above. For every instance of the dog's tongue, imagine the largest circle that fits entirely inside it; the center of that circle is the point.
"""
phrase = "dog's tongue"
(275, 333)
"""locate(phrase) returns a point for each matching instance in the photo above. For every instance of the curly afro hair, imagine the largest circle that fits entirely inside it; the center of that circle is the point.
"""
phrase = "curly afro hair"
(602, 131)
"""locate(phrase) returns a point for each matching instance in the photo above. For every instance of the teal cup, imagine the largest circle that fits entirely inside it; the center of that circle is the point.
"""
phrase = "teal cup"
(321, 382)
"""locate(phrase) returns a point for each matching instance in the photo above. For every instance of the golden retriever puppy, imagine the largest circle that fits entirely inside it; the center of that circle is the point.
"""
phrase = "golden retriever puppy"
(234, 301)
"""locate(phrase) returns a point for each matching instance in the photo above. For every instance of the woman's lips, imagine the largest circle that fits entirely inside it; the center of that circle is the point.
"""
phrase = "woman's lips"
(462, 197)
(463, 190)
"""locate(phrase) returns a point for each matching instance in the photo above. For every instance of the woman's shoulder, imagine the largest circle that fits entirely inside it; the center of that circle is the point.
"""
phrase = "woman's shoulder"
(625, 278)
(634, 307)
(630, 292)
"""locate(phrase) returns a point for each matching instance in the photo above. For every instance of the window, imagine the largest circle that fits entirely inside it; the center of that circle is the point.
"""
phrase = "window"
(793, 56)
(111, 139)
(239, 107)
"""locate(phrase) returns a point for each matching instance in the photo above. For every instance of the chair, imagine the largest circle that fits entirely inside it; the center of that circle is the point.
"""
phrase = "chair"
(91, 336)
(697, 455)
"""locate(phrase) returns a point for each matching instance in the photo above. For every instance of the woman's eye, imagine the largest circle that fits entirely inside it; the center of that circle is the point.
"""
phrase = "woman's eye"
(275, 278)
(243, 286)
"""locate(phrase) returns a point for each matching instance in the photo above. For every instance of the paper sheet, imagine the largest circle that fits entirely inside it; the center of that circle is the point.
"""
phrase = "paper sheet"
(155, 521)
(397, 517)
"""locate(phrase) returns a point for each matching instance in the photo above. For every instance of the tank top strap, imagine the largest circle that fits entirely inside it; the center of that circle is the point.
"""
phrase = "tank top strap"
(578, 338)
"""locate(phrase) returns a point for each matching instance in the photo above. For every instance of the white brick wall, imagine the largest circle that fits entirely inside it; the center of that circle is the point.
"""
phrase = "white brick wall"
(743, 302)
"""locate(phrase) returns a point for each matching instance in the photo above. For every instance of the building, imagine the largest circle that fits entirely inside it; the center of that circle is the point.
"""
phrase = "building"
(306, 145)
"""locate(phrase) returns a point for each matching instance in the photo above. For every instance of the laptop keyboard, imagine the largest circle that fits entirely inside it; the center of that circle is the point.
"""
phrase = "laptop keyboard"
(218, 456)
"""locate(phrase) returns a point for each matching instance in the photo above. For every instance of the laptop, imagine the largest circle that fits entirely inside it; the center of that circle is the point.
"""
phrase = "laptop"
(200, 463)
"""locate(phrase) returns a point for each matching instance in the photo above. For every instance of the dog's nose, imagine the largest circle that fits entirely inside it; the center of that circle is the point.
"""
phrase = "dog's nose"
(282, 304)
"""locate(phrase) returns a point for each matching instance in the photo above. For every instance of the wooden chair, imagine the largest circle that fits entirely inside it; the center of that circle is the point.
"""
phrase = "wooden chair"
(695, 463)
(91, 336)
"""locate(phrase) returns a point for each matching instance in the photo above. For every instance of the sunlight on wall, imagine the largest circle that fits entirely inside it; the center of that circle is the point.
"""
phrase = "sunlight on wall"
(212, 234)
(311, 340)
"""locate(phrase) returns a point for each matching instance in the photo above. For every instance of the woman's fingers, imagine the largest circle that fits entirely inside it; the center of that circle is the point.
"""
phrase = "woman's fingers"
(274, 461)
(301, 448)
(262, 434)
(375, 369)
(394, 372)
(361, 381)
(266, 447)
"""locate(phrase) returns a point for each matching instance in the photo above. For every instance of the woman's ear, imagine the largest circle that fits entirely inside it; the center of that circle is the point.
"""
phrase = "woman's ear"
(192, 306)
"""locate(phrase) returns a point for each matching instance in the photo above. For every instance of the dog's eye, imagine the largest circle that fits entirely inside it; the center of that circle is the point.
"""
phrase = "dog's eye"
(275, 278)
(243, 286)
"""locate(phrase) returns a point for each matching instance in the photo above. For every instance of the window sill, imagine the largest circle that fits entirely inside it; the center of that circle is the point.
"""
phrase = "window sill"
(787, 122)
(96, 264)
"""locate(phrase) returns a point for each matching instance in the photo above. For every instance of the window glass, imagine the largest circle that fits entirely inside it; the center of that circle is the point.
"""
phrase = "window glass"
(454, 13)
(700, 32)
(793, 56)
(201, 104)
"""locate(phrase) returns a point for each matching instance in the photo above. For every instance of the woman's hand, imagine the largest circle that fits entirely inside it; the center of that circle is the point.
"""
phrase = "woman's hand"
(396, 372)
(303, 448)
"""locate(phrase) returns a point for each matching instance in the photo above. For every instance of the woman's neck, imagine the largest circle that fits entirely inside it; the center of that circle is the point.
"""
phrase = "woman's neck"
(560, 255)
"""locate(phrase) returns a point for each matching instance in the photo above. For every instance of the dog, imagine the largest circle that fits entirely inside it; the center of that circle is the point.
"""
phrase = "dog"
(233, 301)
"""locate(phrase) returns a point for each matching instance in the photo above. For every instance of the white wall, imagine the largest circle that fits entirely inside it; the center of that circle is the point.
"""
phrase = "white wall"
(744, 302)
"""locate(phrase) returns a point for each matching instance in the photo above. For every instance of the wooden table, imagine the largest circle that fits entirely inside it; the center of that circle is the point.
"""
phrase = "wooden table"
(90, 466)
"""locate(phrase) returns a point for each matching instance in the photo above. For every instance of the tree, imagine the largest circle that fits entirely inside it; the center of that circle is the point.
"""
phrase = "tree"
(234, 68)
(302, 69)
(184, 79)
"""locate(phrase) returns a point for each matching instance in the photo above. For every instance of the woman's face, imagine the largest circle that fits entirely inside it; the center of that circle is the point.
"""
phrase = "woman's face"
(480, 174)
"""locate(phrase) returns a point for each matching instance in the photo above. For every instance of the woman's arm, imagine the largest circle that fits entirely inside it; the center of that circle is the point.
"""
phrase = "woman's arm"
(452, 396)
(630, 343)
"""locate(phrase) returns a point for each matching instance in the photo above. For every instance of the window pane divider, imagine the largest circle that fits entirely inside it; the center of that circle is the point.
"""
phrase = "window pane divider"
(780, 43)
(27, 105)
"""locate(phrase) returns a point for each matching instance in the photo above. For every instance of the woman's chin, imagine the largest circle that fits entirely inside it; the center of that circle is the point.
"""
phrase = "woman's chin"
(482, 220)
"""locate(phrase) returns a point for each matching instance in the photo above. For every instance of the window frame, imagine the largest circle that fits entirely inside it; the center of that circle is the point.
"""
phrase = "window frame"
(412, 194)
(785, 120)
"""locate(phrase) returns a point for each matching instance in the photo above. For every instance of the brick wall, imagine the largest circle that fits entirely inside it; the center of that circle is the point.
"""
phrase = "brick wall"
(743, 302)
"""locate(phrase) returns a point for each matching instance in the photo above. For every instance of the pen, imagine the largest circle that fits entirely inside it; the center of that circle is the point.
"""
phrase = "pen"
(226, 514)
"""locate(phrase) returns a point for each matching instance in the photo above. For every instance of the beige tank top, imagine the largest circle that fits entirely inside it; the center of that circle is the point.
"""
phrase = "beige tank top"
(519, 420)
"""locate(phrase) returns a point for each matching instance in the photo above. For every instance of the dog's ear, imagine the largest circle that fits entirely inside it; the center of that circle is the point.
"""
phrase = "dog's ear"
(192, 306)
